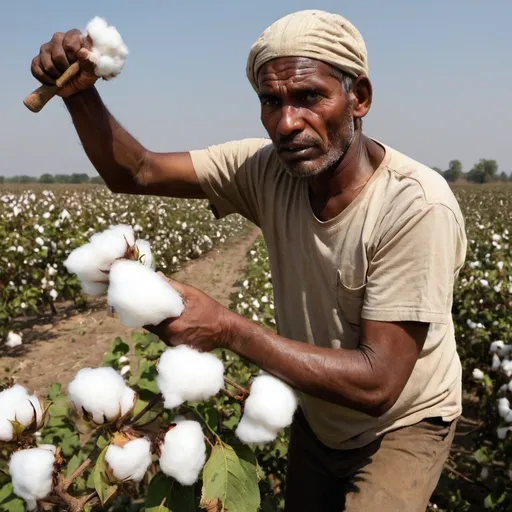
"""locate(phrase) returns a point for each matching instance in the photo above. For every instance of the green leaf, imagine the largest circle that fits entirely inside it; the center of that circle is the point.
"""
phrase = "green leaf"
(54, 391)
(102, 484)
(230, 478)
(482, 456)
(166, 495)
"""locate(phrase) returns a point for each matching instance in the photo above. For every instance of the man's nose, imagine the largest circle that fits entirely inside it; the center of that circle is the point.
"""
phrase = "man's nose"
(290, 121)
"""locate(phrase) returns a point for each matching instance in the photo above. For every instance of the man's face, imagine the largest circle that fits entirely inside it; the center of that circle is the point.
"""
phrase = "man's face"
(306, 113)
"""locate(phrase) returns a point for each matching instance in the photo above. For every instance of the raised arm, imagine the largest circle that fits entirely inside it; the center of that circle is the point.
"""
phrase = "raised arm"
(125, 164)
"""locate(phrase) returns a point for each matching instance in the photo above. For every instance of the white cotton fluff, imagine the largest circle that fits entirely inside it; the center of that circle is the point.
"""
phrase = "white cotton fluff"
(502, 432)
(504, 409)
(31, 472)
(13, 340)
(108, 52)
(183, 451)
(185, 374)
(102, 393)
(140, 296)
(252, 432)
(17, 405)
(145, 255)
(478, 374)
(496, 363)
(91, 261)
(131, 461)
(271, 405)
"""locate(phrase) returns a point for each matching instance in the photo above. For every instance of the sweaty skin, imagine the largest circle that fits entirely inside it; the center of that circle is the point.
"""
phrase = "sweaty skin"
(316, 129)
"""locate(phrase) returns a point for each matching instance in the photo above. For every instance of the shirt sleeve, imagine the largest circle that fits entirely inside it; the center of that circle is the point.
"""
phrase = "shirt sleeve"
(232, 174)
(413, 269)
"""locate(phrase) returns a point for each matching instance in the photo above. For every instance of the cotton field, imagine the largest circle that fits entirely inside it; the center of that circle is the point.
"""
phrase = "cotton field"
(40, 227)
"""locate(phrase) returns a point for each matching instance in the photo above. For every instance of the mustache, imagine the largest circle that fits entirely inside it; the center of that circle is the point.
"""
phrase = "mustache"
(297, 141)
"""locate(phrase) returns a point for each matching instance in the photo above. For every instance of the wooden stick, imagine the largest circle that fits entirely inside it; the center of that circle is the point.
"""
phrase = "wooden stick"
(36, 101)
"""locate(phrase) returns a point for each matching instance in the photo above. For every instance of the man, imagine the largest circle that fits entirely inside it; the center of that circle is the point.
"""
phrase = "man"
(364, 243)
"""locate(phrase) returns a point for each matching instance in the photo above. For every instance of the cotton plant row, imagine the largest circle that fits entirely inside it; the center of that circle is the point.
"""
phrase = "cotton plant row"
(117, 264)
(101, 397)
(39, 228)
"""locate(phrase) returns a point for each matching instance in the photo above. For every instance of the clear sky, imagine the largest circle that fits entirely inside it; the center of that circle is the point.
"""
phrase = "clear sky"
(441, 71)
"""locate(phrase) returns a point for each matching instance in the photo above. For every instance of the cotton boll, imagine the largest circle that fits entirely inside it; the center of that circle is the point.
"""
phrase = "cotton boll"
(503, 407)
(112, 243)
(84, 262)
(17, 405)
(271, 402)
(145, 255)
(102, 393)
(140, 296)
(502, 432)
(94, 289)
(31, 472)
(13, 340)
(185, 374)
(108, 51)
(251, 432)
(496, 363)
(131, 461)
(183, 452)
(478, 374)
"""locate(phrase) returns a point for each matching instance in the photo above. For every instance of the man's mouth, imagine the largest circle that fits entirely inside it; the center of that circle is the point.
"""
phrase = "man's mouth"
(295, 151)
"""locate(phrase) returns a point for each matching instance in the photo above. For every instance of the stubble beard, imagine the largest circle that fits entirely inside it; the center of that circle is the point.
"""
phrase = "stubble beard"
(338, 147)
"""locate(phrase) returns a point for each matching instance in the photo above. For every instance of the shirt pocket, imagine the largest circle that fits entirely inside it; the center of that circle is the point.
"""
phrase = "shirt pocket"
(350, 300)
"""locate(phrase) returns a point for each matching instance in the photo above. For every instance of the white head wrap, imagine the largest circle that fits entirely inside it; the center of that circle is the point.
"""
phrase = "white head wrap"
(311, 33)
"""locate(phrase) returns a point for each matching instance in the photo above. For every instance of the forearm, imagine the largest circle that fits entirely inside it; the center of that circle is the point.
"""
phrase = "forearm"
(343, 377)
(115, 154)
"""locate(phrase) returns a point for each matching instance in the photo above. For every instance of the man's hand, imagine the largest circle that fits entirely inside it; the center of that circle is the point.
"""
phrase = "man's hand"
(57, 55)
(203, 325)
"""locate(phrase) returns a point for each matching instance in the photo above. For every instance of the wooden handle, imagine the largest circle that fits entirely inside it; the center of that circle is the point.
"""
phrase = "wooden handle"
(42, 95)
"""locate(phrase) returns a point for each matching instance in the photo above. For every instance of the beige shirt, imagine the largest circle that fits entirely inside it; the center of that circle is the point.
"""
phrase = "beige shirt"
(392, 255)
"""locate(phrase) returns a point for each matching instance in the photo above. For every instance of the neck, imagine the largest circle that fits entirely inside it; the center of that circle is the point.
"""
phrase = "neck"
(333, 190)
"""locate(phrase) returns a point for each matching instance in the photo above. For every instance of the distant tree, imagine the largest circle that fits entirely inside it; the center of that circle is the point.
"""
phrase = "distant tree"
(46, 178)
(454, 171)
(26, 179)
(79, 178)
(437, 170)
(503, 176)
(484, 171)
(2, 180)
(97, 180)
(61, 178)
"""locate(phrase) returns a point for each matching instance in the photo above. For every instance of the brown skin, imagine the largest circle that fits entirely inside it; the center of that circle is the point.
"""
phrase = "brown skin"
(302, 105)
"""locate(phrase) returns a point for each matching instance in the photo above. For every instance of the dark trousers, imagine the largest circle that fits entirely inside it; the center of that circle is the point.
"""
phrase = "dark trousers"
(396, 473)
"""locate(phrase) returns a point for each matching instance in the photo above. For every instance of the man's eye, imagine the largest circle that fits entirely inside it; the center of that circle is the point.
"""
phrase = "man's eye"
(269, 101)
(311, 96)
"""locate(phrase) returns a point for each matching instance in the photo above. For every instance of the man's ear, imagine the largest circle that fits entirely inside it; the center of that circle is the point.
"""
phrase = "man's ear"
(362, 94)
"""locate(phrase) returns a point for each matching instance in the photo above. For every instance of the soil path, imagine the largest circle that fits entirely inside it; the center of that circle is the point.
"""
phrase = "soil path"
(56, 347)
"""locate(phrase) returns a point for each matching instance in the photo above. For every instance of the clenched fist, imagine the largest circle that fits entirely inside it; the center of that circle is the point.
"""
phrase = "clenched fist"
(58, 54)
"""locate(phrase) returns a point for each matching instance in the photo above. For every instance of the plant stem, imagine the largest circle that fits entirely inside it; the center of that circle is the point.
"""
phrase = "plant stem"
(149, 406)
(238, 398)
(142, 425)
(227, 380)
(78, 472)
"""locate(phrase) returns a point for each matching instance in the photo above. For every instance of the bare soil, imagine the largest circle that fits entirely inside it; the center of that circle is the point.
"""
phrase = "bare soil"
(55, 347)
